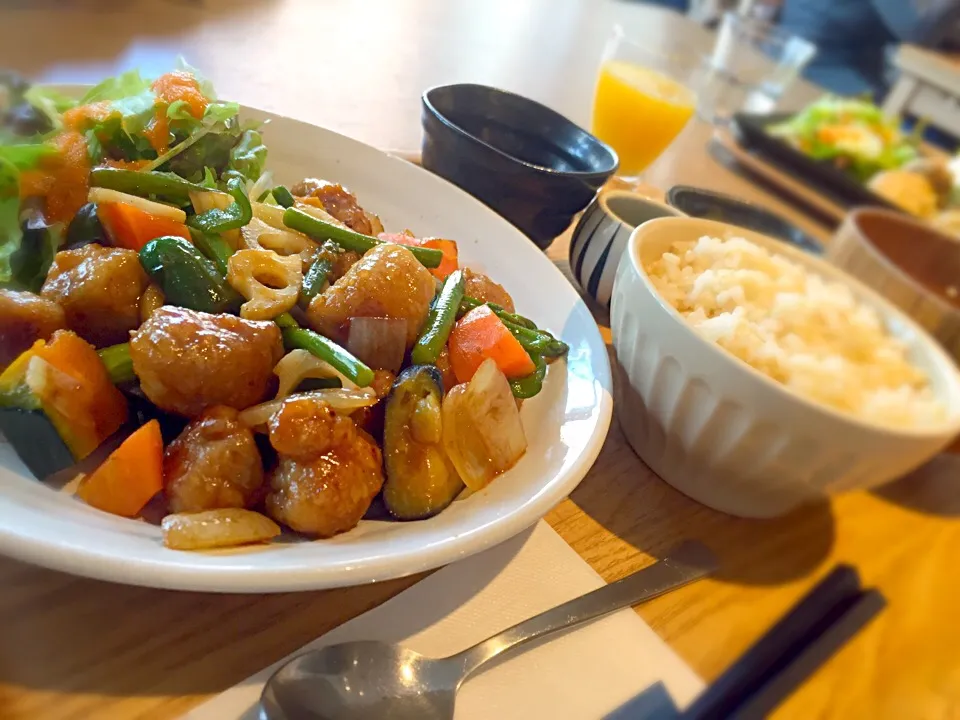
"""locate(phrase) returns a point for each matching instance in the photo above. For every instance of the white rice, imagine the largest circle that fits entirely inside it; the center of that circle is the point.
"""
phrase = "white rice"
(809, 334)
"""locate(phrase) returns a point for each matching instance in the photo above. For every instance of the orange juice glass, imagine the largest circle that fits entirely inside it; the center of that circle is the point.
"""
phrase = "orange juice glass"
(642, 101)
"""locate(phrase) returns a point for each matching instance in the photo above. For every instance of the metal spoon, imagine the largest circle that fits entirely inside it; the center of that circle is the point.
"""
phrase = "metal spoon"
(370, 680)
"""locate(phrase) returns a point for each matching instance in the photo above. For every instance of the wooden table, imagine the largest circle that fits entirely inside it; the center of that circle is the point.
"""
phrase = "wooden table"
(76, 648)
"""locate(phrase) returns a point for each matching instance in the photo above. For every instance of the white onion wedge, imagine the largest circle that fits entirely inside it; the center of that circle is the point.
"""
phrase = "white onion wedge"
(297, 366)
(482, 431)
(210, 529)
(340, 399)
(105, 195)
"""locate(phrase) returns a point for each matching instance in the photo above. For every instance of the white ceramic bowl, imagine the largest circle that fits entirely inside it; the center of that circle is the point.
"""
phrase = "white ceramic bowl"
(729, 436)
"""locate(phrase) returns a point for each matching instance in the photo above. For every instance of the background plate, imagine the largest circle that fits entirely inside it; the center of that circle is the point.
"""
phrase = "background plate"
(566, 424)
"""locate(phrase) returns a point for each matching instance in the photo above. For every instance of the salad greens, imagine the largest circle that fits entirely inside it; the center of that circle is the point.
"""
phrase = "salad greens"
(10, 234)
(853, 134)
(124, 119)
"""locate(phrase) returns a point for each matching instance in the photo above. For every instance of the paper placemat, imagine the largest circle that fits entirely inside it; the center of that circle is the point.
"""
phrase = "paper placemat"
(616, 667)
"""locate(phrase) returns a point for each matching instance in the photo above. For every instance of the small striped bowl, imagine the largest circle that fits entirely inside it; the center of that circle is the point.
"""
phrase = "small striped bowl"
(601, 235)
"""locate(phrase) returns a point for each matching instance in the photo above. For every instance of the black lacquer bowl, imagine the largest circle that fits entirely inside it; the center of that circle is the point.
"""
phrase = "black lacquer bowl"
(711, 205)
(527, 162)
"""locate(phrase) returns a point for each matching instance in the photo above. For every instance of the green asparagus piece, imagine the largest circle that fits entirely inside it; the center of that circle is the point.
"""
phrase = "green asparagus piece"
(137, 182)
(328, 351)
(440, 321)
(314, 281)
(283, 196)
(530, 385)
(320, 230)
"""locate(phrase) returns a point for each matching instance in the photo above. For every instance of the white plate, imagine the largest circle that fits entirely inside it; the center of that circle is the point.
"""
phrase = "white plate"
(565, 424)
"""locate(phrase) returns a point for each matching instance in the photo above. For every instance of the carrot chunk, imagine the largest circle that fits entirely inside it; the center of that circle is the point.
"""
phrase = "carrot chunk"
(130, 476)
(132, 228)
(479, 335)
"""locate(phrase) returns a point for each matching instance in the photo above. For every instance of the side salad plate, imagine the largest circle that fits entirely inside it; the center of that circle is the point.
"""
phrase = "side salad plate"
(45, 521)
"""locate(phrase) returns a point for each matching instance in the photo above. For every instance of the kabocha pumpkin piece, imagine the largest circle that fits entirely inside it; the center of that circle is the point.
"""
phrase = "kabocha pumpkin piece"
(58, 403)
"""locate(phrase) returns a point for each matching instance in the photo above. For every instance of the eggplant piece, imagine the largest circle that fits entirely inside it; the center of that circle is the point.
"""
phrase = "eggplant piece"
(85, 229)
(35, 440)
(420, 479)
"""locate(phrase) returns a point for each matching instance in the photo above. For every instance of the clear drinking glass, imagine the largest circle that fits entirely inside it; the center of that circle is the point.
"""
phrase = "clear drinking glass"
(752, 64)
(642, 99)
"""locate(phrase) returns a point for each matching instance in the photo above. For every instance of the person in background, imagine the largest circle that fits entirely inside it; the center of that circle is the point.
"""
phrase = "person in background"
(854, 36)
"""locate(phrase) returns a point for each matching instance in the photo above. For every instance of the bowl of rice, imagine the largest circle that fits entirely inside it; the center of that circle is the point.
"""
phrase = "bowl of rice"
(754, 377)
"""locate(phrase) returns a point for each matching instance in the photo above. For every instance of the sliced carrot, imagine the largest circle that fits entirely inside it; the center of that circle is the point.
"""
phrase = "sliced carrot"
(132, 228)
(479, 335)
(130, 476)
(87, 408)
(450, 260)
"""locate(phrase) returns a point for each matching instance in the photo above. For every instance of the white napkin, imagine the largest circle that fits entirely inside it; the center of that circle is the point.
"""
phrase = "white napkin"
(609, 668)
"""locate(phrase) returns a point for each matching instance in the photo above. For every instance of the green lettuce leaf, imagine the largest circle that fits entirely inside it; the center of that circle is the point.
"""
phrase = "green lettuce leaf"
(206, 87)
(26, 156)
(247, 157)
(10, 234)
(117, 88)
(40, 242)
(50, 102)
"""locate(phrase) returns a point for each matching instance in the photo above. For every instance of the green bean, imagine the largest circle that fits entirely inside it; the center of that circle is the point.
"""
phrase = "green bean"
(118, 362)
(440, 321)
(330, 352)
(286, 320)
(470, 303)
(137, 182)
(530, 385)
(234, 217)
(314, 281)
(318, 229)
(283, 197)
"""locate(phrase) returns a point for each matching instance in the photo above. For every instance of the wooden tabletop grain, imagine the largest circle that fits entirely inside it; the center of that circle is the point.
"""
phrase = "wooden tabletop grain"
(77, 648)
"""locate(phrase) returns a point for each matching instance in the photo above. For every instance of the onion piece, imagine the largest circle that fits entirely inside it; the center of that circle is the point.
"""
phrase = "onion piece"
(209, 529)
(298, 365)
(105, 195)
(318, 212)
(272, 215)
(340, 399)
(263, 183)
(482, 431)
(379, 342)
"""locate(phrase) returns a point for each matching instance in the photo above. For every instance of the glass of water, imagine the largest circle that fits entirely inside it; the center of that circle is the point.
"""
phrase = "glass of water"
(752, 64)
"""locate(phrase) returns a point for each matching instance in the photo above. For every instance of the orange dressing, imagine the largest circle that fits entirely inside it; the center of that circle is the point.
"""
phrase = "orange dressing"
(63, 179)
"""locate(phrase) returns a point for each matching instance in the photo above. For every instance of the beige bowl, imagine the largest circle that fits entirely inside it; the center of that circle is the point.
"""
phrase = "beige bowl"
(909, 263)
(727, 435)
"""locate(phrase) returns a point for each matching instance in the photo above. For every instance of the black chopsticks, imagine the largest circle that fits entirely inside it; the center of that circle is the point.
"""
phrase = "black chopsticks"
(826, 618)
